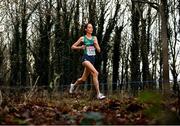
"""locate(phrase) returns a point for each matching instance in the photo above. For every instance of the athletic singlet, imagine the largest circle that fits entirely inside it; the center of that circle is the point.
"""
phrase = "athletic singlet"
(89, 46)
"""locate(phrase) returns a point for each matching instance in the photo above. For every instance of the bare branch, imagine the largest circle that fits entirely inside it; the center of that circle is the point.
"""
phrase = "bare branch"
(35, 7)
(152, 4)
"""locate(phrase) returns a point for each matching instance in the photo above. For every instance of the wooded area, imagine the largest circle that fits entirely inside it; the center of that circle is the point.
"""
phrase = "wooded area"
(139, 39)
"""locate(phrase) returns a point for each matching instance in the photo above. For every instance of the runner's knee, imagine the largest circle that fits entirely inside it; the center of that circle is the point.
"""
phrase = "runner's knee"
(95, 74)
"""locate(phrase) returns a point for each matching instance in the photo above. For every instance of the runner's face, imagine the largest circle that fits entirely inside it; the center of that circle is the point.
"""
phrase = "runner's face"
(89, 29)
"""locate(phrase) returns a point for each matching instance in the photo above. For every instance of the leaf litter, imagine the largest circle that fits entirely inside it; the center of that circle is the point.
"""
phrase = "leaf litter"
(78, 110)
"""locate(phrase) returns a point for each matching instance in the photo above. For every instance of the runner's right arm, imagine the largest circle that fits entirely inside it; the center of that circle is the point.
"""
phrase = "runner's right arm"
(77, 46)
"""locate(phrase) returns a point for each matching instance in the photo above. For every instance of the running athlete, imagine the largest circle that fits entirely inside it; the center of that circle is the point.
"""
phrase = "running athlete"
(89, 44)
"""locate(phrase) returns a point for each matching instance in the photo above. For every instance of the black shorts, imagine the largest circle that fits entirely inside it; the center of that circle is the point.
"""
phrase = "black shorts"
(88, 58)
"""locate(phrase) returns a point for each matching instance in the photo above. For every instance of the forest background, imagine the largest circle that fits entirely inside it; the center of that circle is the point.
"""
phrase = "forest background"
(139, 41)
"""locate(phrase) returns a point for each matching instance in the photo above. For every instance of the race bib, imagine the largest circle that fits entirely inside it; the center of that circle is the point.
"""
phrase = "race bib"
(91, 51)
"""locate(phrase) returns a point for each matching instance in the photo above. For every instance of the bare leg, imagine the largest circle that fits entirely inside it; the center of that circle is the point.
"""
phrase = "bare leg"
(94, 74)
(83, 77)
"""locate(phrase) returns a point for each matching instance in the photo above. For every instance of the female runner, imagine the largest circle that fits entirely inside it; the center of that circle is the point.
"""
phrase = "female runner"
(89, 44)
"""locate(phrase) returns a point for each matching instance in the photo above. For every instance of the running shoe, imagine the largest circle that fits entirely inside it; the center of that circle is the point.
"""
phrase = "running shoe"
(71, 90)
(100, 96)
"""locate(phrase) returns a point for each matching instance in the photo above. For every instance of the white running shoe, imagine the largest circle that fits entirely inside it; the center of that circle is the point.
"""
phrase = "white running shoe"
(71, 88)
(100, 96)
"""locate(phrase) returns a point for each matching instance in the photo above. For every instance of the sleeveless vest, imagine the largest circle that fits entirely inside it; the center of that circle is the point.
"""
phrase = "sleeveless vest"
(89, 46)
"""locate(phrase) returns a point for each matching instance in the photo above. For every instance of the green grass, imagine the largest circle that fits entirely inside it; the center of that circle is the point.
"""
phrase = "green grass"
(154, 101)
(150, 97)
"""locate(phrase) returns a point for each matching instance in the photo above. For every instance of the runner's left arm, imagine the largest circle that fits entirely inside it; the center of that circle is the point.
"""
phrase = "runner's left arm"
(96, 44)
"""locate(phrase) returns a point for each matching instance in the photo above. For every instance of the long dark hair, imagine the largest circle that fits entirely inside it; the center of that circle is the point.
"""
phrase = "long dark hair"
(85, 27)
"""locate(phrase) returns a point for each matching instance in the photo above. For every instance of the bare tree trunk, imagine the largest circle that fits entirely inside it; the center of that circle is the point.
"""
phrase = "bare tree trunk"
(58, 61)
(160, 54)
(164, 13)
(23, 47)
(105, 40)
(174, 53)
(1, 61)
(23, 43)
(19, 45)
(135, 61)
(76, 66)
(161, 70)
(100, 33)
(116, 56)
(67, 16)
(152, 75)
(144, 55)
(92, 14)
(14, 54)
(42, 59)
(126, 69)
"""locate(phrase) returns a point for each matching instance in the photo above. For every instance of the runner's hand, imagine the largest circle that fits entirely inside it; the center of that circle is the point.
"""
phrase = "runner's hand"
(83, 47)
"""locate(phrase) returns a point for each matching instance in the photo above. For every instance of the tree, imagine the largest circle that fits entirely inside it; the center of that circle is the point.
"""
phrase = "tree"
(165, 50)
(42, 59)
(144, 56)
(92, 13)
(144, 48)
(2, 49)
(23, 48)
(20, 16)
(100, 27)
(58, 46)
(116, 55)
(106, 38)
(135, 61)
(173, 49)
(14, 51)
(42, 37)
(68, 8)
(76, 32)
(163, 11)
